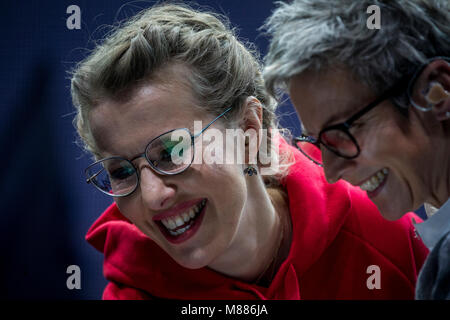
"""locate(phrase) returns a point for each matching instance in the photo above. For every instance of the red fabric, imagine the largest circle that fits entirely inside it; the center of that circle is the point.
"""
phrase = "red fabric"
(337, 233)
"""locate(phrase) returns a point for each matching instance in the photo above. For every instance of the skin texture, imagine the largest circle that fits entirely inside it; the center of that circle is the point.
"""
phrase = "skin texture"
(239, 232)
(415, 149)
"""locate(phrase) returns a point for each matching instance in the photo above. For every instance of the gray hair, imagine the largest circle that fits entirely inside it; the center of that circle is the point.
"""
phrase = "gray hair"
(316, 34)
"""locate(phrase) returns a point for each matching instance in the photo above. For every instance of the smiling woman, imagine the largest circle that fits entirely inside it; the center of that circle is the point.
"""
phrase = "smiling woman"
(200, 230)
(375, 104)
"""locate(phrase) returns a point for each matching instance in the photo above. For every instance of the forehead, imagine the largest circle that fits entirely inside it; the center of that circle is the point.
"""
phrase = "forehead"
(124, 127)
(323, 98)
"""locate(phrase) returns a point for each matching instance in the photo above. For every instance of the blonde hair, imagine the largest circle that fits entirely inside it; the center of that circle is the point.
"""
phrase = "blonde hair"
(224, 71)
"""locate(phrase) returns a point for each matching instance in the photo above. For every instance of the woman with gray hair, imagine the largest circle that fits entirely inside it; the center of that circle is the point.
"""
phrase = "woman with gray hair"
(374, 105)
(200, 229)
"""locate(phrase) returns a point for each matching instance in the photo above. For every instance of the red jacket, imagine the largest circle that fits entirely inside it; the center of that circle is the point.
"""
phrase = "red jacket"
(337, 234)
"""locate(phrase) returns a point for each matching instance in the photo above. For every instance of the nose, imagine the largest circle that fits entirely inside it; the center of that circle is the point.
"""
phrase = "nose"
(156, 193)
(335, 167)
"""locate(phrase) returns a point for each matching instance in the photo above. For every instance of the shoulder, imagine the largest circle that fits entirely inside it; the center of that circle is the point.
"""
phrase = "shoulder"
(434, 278)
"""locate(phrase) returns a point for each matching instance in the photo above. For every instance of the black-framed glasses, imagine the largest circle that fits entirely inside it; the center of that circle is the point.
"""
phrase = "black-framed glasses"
(338, 139)
(170, 153)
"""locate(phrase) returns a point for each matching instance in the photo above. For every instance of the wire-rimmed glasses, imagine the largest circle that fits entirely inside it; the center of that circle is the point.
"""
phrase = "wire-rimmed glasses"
(170, 153)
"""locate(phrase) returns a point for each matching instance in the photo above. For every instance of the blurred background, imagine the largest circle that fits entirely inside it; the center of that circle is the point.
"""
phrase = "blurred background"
(46, 205)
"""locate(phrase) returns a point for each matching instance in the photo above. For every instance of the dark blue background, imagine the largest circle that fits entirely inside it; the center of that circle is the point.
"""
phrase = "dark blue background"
(46, 205)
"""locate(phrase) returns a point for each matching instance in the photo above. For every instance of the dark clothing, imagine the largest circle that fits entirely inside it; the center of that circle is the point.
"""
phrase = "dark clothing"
(433, 282)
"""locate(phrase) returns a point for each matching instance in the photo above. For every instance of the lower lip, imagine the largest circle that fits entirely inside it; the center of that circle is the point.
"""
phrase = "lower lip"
(188, 233)
(374, 193)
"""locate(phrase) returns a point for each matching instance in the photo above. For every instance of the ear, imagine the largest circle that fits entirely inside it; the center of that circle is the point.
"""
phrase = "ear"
(252, 117)
(432, 89)
(251, 124)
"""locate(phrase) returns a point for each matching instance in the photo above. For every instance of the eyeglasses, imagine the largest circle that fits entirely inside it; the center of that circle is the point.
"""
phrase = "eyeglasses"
(337, 138)
(168, 154)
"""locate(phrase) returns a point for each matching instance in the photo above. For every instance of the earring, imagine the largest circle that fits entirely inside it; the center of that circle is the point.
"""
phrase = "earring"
(250, 170)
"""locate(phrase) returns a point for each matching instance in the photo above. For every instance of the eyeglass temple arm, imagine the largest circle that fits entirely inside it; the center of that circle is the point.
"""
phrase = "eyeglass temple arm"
(305, 138)
(196, 135)
(88, 180)
(403, 82)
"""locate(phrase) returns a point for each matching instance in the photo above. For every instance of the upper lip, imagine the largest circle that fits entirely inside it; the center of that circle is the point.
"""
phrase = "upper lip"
(176, 210)
(367, 179)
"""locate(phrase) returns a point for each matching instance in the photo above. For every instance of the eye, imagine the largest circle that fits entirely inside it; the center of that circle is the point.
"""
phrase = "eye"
(121, 173)
(165, 154)
(167, 149)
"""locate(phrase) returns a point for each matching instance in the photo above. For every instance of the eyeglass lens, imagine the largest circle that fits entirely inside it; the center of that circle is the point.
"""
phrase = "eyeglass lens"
(169, 153)
(340, 142)
(335, 140)
(114, 176)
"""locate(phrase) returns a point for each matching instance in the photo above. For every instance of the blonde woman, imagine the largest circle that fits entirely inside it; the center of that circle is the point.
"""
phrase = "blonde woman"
(201, 230)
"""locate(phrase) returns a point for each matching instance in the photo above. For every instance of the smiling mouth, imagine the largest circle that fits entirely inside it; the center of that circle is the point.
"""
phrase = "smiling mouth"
(375, 181)
(176, 227)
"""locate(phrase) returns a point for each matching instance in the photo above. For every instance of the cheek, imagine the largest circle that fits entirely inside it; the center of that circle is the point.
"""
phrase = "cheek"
(135, 211)
(126, 208)
(399, 147)
(387, 139)
(225, 187)
(131, 209)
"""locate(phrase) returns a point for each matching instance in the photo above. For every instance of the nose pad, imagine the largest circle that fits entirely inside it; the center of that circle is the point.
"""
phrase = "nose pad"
(155, 192)
(334, 166)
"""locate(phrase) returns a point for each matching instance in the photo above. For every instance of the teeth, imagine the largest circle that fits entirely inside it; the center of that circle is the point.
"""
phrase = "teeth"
(165, 223)
(182, 219)
(179, 231)
(373, 183)
(179, 221)
(171, 223)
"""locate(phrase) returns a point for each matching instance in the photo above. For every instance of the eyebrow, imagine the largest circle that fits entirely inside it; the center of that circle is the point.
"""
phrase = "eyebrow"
(131, 159)
(341, 115)
(338, 116)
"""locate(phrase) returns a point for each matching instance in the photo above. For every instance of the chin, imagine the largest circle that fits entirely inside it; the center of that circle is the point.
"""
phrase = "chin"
(392, 213)
(191, 261)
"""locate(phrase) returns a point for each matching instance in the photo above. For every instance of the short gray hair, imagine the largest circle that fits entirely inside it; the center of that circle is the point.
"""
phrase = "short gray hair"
(316, 34)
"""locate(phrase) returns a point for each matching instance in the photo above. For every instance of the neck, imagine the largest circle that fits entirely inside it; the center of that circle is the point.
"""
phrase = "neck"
(258, 238)
(440, 191)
